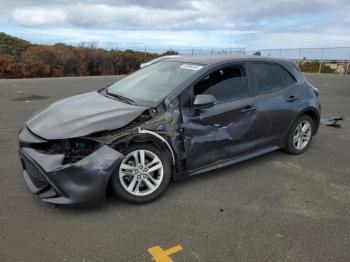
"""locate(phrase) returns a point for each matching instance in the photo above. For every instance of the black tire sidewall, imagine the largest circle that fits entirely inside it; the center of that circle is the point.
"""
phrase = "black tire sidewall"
(290, 148)
(123, 194)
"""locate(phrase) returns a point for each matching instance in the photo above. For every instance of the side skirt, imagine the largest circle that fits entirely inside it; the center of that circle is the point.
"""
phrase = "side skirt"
(232, 161)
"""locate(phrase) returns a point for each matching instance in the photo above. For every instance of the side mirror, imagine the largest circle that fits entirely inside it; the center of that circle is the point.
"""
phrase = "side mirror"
(204, 101)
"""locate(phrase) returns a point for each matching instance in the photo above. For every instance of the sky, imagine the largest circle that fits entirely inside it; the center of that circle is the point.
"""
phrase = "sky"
(209, 23)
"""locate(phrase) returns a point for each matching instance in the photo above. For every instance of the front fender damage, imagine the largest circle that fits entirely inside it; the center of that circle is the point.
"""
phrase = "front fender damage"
(161, 128)
(81, 183)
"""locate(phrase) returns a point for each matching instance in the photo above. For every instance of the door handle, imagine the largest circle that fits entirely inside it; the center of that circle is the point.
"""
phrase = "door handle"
(292, 98)
(248, 108)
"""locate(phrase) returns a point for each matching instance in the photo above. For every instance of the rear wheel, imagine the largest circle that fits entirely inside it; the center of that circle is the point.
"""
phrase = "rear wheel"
(143, 175)
(300, 135)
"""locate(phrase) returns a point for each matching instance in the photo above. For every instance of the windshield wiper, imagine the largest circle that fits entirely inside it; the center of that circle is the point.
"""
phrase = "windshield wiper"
(120, 97)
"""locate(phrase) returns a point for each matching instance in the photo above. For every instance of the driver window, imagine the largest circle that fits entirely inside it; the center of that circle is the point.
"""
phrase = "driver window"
(226, 84)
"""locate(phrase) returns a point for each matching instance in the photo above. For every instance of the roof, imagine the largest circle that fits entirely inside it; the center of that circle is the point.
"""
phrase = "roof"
(213, 61)
(217, 59)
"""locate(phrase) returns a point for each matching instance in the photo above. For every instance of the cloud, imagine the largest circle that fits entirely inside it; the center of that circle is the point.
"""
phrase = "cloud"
(39, 16)
(109, 16)
(185, 15)
(231, 22)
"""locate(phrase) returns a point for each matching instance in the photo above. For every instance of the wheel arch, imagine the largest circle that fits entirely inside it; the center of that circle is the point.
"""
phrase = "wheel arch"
(310, 111)
(315, 116)
(150, 137)
(147, 138)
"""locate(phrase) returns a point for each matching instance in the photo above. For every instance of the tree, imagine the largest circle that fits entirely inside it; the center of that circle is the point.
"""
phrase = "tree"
(7, 63)
(170, 52)
(12, 45)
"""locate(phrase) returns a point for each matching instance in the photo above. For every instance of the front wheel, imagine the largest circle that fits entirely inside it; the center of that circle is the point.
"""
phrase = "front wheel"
(143, 175)
(300, 135)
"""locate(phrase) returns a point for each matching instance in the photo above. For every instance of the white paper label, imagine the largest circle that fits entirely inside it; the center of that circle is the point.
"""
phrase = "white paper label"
(191, 67)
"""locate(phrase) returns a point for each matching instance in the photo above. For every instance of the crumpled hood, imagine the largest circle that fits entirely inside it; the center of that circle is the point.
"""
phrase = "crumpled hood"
(82, 115)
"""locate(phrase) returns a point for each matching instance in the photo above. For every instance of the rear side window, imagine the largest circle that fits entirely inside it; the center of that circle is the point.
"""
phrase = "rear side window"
(267, 77)
(287, 78)
(226, 84)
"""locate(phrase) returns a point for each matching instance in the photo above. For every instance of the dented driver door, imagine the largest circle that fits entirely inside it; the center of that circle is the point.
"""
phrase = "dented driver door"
(218, 133)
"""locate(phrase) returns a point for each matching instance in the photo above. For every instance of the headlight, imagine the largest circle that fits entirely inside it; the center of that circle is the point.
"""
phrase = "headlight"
(80, 148)
(74, 149)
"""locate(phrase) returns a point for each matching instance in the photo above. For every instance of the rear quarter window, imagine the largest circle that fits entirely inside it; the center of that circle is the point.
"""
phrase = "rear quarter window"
(287, 78)
(267, 77)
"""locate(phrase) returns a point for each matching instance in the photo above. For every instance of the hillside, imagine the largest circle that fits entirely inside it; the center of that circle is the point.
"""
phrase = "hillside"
(22, 59)
(12, 45)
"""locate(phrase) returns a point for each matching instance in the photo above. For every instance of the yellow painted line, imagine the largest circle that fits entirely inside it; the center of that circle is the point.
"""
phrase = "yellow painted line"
(161, 255)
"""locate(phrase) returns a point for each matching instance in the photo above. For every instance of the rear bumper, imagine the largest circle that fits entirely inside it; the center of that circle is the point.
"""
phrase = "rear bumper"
(317, 124)
(83, 183)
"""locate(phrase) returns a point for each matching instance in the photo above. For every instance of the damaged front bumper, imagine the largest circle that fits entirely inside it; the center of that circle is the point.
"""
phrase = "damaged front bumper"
(81, 183)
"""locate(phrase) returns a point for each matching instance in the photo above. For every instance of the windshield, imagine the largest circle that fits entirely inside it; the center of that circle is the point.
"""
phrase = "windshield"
(153, 83)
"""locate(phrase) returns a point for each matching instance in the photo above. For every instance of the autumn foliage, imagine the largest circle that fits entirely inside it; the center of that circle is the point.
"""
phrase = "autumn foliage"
(21, 59)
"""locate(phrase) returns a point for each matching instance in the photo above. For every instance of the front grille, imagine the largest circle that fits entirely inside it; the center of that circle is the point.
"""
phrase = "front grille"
(34, 172)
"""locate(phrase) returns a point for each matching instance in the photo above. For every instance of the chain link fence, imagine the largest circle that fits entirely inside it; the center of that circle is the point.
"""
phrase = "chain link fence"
(162, 49)
(334, 60)
(315, 60)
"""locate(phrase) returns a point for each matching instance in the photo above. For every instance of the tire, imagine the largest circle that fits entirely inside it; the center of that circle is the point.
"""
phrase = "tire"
(299, 141)
(133, 182)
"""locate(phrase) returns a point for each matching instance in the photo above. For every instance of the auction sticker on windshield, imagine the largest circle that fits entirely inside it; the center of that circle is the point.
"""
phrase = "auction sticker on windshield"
(191, 67)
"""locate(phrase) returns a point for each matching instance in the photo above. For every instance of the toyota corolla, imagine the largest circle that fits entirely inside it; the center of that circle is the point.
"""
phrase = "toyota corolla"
(179, 117)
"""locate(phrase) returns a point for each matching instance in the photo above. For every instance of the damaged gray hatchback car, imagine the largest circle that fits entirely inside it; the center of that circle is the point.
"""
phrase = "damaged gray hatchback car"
(179, 117)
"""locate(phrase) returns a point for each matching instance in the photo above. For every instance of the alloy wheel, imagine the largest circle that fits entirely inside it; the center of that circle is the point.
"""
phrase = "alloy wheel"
(302, 135)
(141, 172)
